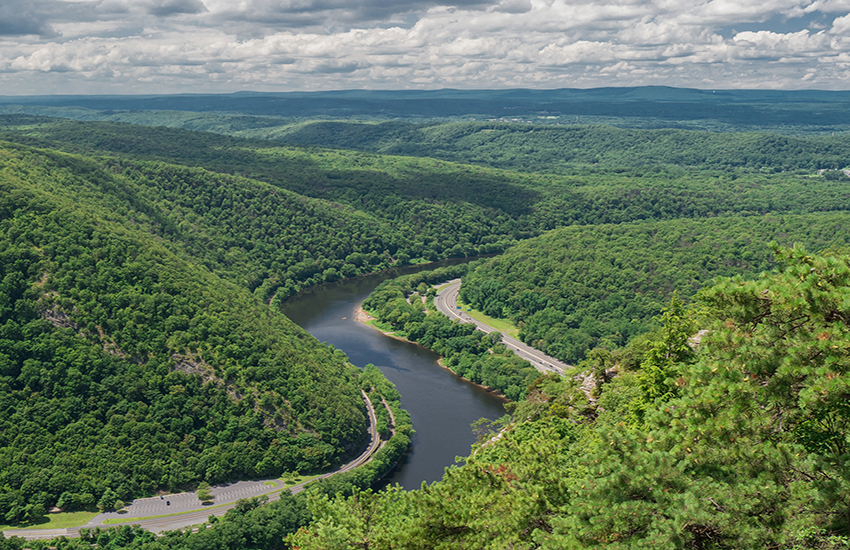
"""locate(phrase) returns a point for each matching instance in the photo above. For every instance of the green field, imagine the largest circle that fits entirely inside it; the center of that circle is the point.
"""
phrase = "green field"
(60, 520)
(505, 327)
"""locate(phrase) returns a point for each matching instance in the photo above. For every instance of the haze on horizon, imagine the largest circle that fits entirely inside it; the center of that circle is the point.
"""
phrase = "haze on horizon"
(176, 46)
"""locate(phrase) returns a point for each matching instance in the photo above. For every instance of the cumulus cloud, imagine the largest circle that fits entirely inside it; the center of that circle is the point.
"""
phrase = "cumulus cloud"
(166, 8)
(514, 6)
(263, 15)
(222, 45)
(841, 25)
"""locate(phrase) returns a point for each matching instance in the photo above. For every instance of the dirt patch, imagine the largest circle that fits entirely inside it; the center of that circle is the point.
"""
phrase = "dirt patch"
(361, 316)
(59, 319)
(189, 364)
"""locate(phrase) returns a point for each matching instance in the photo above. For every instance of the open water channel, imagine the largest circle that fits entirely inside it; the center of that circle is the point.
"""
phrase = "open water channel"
(441, 405)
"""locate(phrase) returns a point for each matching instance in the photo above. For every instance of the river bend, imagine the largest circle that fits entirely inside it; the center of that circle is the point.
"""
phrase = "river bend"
(441, 405)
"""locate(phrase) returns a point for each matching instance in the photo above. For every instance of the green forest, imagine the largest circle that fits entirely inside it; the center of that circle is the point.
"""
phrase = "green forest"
(738, 441)
(127, 365)
(697, 281)
(560, 149)
(578, 288)
(786, 112)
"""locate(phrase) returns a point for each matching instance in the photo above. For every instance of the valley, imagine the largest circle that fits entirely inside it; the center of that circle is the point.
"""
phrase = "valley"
(177, 298)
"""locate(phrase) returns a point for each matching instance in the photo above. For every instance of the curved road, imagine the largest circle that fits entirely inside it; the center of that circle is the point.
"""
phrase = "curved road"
(183, 508)
(446, 303)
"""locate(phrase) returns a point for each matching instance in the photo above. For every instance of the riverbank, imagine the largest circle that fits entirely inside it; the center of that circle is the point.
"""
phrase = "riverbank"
(441, 406)
(364, 317)
(494, 391)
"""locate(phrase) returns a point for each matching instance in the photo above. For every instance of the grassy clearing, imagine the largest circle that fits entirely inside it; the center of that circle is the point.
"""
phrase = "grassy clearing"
(300, 480)
(61, 520)
(501, 325)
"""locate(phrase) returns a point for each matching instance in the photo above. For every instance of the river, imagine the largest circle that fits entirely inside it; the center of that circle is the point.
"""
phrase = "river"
(441, 405)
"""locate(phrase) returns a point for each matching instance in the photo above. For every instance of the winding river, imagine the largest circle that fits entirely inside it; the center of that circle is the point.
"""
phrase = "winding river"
(441, 405)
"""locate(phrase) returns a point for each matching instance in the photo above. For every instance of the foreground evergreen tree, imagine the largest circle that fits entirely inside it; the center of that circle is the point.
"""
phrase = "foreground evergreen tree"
(755, 450)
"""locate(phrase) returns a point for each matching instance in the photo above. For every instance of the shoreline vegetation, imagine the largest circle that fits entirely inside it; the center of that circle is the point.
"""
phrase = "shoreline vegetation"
(364, 317)
(467, 352)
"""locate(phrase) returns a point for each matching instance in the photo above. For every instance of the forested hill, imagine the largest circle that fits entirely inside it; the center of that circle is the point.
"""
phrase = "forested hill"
(445, 208)
(241, 206)
(139, 351)
(128, 366)
(542, 148)
(577, 288)
(789, 112)
(538, 147)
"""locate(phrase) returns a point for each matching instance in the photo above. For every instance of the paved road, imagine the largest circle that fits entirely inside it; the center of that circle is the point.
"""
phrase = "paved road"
(189, 508)
(446, 303)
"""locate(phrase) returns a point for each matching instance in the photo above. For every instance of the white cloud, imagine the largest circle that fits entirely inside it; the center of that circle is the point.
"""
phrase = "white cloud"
(223, 45)
(766, 44)
(514, 6)
(841, 25)
(736, 11)
(823, 6)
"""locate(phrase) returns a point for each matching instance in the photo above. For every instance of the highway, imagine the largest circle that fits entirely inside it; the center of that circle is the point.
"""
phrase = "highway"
(184, 509)
(446, 303)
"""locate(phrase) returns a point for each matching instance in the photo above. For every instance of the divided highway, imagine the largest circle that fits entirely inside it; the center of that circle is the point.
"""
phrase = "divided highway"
(446, 303)
(184, 509)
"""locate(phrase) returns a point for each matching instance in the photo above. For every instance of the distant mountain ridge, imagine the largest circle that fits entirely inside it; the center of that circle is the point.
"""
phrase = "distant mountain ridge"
(784, 111)
(666, 93)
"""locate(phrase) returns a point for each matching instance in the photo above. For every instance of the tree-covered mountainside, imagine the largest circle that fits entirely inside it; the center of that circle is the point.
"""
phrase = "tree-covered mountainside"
(514, 146)
(742, 441)
(737, 439)
(255, 523)
(577, 288)
(245, 214)
(126, 365)
(271, 240)
(541, 148)
(139, 351)
(450, 209)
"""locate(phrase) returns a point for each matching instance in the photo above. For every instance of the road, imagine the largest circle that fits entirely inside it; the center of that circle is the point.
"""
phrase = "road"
(184, 509)
(446, 303)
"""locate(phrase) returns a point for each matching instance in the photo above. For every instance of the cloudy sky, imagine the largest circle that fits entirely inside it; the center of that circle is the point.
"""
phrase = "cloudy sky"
(169, 46)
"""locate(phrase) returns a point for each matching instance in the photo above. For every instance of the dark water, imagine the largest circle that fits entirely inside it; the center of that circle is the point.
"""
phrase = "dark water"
(441, 405)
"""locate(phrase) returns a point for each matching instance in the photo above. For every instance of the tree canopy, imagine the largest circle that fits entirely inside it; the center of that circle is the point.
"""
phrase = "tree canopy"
(127, 366)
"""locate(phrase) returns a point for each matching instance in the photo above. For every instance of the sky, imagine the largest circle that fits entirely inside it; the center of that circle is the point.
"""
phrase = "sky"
(178, 46)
